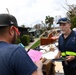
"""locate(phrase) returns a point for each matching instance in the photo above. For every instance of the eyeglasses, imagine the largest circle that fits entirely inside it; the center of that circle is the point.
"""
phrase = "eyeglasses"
(16, 29)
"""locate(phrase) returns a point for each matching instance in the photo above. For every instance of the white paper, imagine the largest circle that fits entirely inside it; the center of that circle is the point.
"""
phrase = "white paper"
(50, 55)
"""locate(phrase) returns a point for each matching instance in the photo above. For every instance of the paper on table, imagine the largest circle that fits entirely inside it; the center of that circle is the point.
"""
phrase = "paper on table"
(35, 55)
(50, 55)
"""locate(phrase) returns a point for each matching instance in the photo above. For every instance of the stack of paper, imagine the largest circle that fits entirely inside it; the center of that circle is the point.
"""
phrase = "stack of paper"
(35, 55)
(50, 55)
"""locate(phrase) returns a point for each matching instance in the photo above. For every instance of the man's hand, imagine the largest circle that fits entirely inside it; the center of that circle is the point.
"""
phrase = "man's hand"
(70, 58)
(39, 65)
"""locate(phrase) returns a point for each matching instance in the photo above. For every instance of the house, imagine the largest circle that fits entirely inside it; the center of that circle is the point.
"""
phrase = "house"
(35, 32)
(23, 30)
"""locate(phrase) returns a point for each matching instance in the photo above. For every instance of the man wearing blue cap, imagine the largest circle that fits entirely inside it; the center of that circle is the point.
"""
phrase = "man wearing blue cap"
(14, 60)
(67, 46)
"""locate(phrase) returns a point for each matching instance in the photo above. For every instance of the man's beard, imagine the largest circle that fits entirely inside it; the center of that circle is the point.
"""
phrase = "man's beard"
(63, 32)
(14, 39)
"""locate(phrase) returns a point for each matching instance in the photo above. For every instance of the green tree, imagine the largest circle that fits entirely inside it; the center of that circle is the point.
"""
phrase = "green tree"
(25, 39)
(71, 14)
(49, 21)
(73, 21)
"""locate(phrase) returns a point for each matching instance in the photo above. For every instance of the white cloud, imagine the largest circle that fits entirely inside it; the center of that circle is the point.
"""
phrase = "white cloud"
(30, 12)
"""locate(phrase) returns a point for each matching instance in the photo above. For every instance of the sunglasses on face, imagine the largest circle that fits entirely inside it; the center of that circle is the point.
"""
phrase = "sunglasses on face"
(16, 29)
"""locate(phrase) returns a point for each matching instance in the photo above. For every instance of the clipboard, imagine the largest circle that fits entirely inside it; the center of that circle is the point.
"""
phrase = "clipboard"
(59, 59)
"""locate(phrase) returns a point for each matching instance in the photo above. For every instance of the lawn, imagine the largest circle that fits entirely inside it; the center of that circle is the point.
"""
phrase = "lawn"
(35, 45)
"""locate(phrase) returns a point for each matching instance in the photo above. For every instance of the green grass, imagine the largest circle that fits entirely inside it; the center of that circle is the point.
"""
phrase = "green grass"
(35, 45)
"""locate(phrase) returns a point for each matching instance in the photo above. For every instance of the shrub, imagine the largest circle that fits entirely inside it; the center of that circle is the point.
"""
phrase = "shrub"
(18, 41)
(25, 39)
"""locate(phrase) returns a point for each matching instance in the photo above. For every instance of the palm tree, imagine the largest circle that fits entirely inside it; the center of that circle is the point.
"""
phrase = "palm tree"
(49, 21)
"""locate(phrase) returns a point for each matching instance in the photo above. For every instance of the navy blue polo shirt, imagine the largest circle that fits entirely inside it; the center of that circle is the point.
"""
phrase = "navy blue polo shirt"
(14, 60)
(68, 44)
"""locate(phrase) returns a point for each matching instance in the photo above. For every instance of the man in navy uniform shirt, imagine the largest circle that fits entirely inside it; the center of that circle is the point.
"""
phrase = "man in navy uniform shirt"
(67, 46)
(14, 60)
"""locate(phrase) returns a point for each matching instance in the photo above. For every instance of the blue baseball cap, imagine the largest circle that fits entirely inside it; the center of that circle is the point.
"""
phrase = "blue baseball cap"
(63, 20)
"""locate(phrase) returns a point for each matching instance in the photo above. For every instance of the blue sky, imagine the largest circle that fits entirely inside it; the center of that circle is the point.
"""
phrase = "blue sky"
(30, 12)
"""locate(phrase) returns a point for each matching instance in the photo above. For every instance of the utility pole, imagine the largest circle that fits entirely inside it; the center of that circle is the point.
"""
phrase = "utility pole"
(7, 10)
(44, 25)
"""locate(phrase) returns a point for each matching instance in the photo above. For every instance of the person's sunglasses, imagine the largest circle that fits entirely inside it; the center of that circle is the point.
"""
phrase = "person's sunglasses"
(16, 29)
